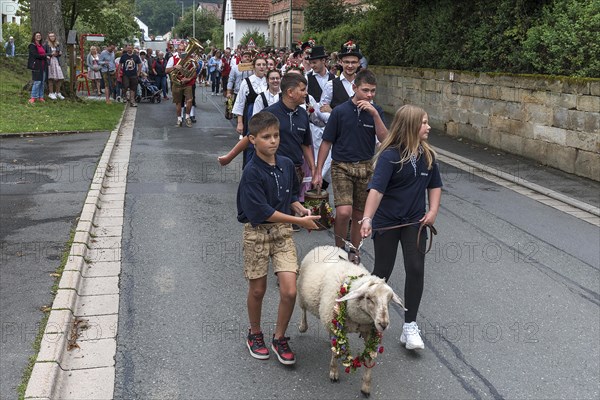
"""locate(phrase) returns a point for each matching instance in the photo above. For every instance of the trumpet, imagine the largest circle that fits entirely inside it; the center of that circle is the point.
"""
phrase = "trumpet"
(188, 64)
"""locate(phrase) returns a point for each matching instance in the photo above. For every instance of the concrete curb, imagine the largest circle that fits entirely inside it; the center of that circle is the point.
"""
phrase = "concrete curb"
(48, 368)
(522, 182)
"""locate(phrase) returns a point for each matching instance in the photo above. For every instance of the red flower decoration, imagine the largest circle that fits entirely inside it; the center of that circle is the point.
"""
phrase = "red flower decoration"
(343, 291)
(333, 342)
(347, 370)
(380, 349)
(334, 321)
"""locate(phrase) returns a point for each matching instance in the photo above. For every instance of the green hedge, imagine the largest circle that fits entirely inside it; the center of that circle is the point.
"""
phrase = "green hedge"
(558, 37)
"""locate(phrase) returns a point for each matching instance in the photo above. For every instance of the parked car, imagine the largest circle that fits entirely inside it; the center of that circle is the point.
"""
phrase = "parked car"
(159, 38)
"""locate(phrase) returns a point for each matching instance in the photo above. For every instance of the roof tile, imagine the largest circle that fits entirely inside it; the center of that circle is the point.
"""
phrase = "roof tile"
(257, 10)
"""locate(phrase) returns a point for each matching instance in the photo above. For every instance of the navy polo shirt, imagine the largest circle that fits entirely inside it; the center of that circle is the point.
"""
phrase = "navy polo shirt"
(265, 189)
(352, 133)
(404, 188)
(294, 131)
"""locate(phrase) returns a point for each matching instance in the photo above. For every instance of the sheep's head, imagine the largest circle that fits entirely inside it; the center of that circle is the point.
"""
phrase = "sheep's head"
(373, 297)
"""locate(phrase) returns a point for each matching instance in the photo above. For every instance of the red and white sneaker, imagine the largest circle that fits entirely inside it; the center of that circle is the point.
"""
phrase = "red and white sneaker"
(282, 350)
(256, 345)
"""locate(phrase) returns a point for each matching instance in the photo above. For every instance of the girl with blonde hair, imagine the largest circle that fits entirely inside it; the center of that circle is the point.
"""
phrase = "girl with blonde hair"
(404, 171)
(55, 74)
(93, 64)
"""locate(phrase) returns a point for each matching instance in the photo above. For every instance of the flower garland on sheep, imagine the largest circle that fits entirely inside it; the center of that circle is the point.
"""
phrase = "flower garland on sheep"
(339, 339)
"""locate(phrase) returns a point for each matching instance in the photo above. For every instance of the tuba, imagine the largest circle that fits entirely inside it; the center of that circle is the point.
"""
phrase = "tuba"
(188, 64)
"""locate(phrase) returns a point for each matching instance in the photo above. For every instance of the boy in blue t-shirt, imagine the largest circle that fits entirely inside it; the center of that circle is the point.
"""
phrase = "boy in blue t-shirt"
(267, 196)
(351, 133)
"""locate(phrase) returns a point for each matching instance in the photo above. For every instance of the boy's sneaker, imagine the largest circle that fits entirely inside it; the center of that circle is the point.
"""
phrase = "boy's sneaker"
(179, 123)
(52, 96)
(256, 346)
(188, 122)
(411, 337)
(60, 96)
(282, 350)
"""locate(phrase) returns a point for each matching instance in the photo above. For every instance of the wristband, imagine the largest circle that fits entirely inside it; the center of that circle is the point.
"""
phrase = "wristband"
(364, 219)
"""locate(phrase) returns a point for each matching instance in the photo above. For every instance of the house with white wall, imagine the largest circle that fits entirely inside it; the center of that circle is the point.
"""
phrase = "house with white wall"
(143, 28)
(9, 10)
(240, 16)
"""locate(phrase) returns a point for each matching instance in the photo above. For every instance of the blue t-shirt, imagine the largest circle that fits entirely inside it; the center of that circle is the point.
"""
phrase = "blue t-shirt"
(352, 133)
(129, 64)
(265, 189)
(404, 188)
(294, 131)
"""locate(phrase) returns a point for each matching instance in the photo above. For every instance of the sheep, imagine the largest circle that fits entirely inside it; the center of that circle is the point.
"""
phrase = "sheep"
(322, 272)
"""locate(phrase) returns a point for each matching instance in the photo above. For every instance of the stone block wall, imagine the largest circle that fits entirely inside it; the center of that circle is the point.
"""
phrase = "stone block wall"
(553, 120)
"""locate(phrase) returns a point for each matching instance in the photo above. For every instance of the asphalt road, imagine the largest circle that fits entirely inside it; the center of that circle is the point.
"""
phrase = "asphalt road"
(510, 309)
(43, 185)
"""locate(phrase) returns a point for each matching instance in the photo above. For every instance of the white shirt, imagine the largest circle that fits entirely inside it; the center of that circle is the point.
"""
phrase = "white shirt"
(171, 62)
(321, 79)
(259, 105)
(258, 84)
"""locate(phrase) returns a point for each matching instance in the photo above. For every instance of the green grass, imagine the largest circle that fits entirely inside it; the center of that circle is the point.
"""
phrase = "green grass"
(53, 115)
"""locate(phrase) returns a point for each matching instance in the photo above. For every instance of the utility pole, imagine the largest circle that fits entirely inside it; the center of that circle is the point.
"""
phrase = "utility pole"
(194, 19)
(173, 26)
(291, 27)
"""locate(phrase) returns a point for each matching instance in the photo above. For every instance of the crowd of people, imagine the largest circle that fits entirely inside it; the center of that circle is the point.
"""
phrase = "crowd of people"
(305, 119)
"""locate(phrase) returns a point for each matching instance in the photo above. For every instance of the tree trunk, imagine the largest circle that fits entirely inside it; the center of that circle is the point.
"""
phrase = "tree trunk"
(46, 16)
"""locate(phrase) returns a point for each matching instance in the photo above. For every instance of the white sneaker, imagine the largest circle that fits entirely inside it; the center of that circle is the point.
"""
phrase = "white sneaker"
(52, 96)
(60, 96)
(411, 336)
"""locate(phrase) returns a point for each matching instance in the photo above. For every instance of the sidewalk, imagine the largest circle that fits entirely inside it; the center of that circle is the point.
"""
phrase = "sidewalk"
(578, 188)
(521, 168)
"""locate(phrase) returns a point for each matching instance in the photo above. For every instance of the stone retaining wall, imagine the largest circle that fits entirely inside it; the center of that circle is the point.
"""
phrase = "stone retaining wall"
(553, 120)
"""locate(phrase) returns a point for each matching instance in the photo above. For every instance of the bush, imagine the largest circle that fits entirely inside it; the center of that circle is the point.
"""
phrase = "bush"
(559, 37)
(567, 40)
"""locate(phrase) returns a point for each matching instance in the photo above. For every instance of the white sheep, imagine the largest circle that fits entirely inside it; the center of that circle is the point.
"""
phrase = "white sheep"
(323, 271)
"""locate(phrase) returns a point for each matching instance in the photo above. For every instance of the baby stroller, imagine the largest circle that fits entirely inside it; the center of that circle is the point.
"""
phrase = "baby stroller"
(149, 92)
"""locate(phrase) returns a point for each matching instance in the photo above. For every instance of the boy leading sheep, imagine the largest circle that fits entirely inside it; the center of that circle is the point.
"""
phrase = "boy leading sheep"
(267, 196)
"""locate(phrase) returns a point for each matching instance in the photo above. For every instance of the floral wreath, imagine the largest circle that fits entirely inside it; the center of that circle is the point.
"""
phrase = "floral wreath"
(340, 345)
(320, 207)
(350, 45)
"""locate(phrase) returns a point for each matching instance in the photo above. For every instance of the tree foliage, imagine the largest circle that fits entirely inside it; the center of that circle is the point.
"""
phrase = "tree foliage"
(205, 24)
(159, 14)
(113, 18)
(560, 37)
(322, 15)
(260, 40)
(116, 23)
(20, 32)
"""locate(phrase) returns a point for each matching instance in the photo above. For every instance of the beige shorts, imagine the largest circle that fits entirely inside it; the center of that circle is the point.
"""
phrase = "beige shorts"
(350, 182)
(265, 242)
